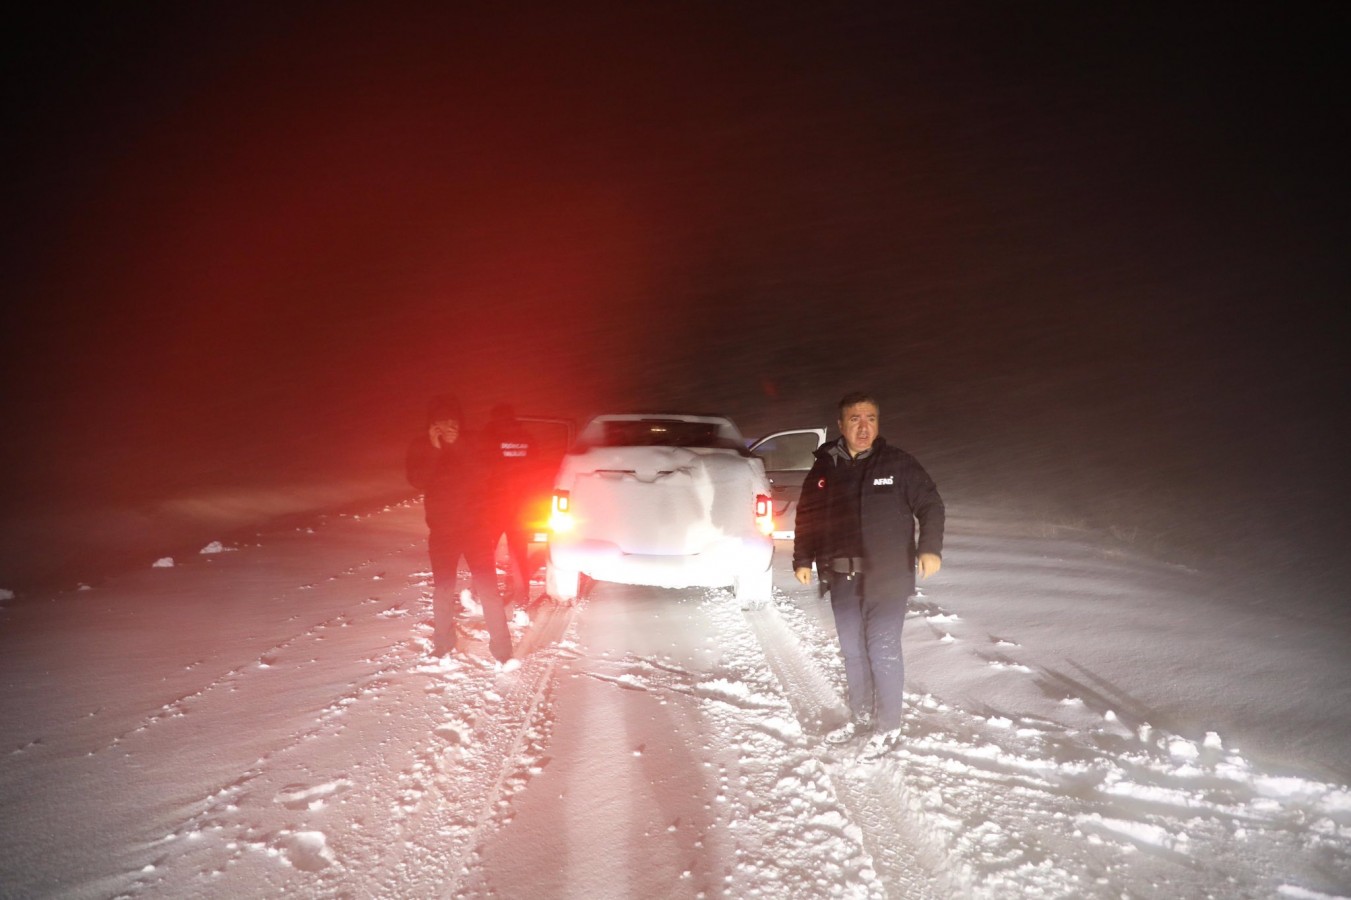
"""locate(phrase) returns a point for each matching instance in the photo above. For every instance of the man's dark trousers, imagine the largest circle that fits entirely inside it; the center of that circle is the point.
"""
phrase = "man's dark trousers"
(870, 636)
(445, 547)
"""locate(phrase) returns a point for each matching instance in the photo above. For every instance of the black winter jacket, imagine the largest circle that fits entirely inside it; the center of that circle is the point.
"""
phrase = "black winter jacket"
(451, 479)
(894, 492)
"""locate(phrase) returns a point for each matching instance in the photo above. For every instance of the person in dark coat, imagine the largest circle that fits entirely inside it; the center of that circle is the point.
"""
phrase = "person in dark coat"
(856, 524)
(515, 481)
(441, 464)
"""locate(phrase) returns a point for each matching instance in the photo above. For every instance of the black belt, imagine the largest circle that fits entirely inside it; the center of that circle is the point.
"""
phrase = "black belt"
(847, 565)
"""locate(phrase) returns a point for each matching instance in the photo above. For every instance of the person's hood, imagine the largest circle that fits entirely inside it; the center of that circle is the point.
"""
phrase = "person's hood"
(445, 406)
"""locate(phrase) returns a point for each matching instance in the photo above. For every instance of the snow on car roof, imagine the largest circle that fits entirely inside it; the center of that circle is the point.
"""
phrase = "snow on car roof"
(661, 429)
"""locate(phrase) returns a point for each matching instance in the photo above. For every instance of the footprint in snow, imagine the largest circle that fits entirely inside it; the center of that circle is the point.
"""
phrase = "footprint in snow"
(1001, 663)
(304, 796)
(734, 693)
(453, 732)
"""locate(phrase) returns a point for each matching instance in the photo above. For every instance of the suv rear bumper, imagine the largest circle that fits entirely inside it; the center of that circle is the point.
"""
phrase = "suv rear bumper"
(717, 566)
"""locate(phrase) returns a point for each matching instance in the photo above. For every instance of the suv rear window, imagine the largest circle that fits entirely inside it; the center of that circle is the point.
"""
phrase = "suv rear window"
(662, 433)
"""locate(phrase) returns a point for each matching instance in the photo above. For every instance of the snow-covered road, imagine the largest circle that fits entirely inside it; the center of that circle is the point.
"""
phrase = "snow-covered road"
(264, 720)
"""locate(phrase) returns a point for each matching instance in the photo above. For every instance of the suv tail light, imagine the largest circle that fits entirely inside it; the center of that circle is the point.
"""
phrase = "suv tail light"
(560, 517)
(764, 513)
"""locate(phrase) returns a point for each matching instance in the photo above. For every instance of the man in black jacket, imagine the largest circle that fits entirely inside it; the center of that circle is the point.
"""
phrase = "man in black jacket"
(516, 480)
(441, 465)
(856, 524)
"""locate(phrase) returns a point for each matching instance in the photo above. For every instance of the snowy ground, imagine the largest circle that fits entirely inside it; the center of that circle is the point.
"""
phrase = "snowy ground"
(264, 720)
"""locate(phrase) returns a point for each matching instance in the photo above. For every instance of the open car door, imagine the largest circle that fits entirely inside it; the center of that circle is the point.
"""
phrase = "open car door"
(788, 456)
(552, 438)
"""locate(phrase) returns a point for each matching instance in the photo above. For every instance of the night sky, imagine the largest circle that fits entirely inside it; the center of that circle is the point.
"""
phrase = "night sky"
(248, 241)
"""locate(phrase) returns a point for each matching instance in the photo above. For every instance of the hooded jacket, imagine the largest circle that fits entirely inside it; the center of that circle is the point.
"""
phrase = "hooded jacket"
(452, 481)
(894, 492)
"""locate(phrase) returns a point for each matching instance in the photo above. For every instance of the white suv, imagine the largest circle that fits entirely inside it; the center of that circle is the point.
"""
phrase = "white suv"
(669, 500)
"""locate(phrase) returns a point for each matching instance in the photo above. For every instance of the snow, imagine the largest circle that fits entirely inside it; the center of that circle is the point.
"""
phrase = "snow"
(286, 732)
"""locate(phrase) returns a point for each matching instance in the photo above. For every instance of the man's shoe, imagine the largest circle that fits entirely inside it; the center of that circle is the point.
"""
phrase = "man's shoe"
(855, 727)
(442, 648)
(881, 743)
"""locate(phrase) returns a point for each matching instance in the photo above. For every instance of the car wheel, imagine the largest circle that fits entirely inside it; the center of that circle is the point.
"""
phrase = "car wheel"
(754, 591)
(563, 585)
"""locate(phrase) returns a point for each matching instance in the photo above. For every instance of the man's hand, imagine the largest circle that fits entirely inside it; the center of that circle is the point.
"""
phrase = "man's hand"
(443, 434)
(803, 574)
(929, 564)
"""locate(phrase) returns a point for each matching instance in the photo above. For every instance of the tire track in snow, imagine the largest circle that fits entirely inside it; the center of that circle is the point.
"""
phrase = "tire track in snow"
(531, 694)
(872, 795)
(907, 863)
(472, 794)
(809, 693)
(426, 814)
